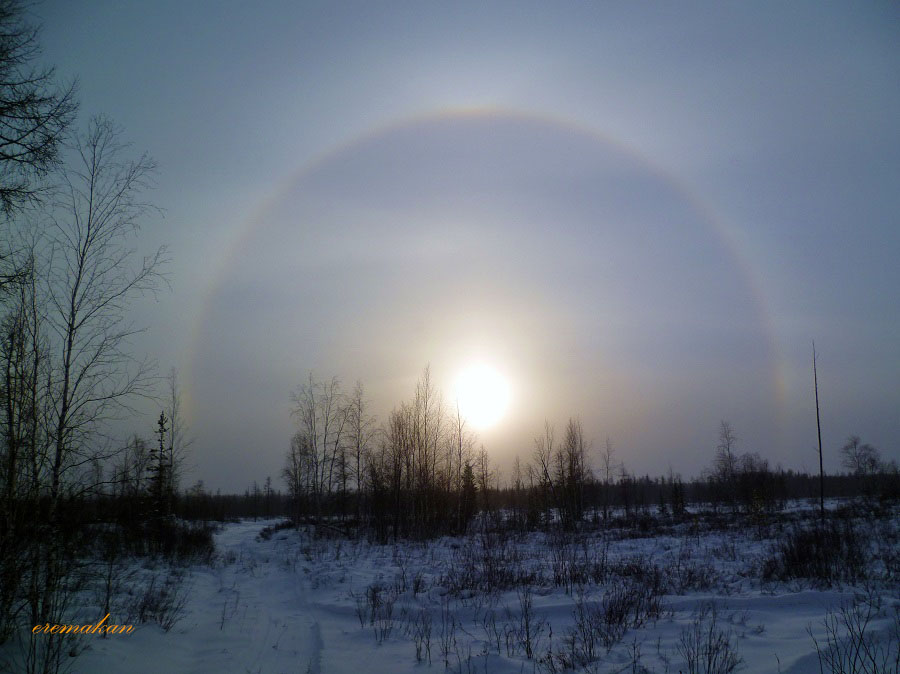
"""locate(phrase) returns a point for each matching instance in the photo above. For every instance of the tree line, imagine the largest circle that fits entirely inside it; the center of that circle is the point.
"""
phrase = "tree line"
(422, 473)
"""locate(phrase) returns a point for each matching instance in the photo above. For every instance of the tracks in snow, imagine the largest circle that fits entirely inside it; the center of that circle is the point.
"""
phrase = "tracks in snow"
(251, 612)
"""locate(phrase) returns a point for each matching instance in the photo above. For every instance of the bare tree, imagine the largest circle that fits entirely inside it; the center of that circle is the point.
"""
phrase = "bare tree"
(361, 431)
(486, 476)
(575, 473)
(397, 464)
(92, 276)
(34, 111)
(131, 469)
(860, 459)
(178, 439)
(726, 462)
(296, 472)
(608, 467)
(428, 433)
(543, 460)
(462, 442)
(517, 483)
(563, 472)
(315, 459)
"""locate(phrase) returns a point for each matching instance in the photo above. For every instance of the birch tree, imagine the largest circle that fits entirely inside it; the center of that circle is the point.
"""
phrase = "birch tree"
(93, 275)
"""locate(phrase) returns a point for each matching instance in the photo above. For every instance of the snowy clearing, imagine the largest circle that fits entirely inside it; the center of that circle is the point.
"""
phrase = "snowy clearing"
(292, 603)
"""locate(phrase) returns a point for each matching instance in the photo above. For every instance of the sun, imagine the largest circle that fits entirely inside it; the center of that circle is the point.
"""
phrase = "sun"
(482, 394)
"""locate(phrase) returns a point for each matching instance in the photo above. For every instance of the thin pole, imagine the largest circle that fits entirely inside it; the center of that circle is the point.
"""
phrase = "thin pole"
(819, 429)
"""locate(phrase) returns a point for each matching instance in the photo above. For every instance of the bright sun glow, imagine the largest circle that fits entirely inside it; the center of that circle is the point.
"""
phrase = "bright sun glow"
(483, 395)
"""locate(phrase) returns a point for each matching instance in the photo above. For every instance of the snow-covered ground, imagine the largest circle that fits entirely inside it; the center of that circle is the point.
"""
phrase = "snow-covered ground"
(249, 612)
(293, 604)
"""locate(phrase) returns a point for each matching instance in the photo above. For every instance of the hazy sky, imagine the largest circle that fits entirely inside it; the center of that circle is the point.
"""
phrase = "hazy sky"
(640, 213)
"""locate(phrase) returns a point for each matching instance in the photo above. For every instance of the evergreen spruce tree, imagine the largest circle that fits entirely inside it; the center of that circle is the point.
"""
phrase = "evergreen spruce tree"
(159, 470)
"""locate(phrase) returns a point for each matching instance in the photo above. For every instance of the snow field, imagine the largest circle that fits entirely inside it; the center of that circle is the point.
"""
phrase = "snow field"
(504, 603)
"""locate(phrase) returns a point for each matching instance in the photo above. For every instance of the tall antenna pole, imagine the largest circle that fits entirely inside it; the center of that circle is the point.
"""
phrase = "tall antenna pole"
(819, 429)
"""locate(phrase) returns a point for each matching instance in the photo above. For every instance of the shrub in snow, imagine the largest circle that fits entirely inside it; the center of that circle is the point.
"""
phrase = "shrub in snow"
(706, 648)
(828, 552)
(853, 646)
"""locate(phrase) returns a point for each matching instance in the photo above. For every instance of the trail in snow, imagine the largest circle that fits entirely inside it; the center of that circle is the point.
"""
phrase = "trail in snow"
(248, 613)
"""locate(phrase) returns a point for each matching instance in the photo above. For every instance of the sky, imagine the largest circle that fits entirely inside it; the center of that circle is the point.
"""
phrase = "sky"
(640, 214)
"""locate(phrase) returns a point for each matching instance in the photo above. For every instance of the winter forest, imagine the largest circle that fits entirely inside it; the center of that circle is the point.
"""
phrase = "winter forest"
(480, 390)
